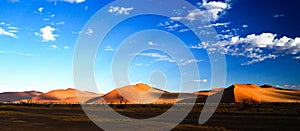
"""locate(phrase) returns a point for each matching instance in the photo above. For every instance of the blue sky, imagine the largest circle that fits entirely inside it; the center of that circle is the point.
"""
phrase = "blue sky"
(260, 40)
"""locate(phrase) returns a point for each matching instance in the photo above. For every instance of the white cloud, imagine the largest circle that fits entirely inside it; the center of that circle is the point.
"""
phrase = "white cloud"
(69, 1)
(255, 47)
(108, 48)
(183, 30)
(74, 1)
(245, 26)
(200, 81)
(278, 15)
(150, 43)
(89, 31)
(262, 40)
(217, 24)
(258, 58)
(25, 54)
(160, 57)
(138, 64)
(16, 53)
(13, 28)
(289, 86)
(58, 23)
(66, 47)
(47, 34)
(40, 9)
(7, 33)
(120, 10)
(210, 11)
(171, 25)
(157, 57)
(186, 62)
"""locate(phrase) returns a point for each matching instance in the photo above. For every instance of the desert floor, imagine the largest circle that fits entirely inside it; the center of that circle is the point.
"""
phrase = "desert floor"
(270, 116)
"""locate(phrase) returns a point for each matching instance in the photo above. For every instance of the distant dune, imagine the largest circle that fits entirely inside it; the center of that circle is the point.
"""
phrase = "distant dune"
(16, 96)
(142, 93)
(64, 96)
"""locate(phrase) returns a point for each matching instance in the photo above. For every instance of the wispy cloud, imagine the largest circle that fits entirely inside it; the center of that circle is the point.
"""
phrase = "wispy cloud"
(158, 56)
(8, 30)
(120, 10)
(200, 81)
(108, 48)
(186, 62)
(69, 1)
(289, 86)
(225, 24)
(171, 25)
(7, 33)
(16, 53)
(58, 23)
(278, 15)
(138, 64)
(208, 11)
(161, 57)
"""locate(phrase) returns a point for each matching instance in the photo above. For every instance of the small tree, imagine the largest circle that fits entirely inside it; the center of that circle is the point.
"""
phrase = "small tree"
(29, 101)
(121, 98)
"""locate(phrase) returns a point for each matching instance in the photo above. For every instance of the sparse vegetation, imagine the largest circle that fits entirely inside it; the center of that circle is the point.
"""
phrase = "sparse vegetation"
(228, 116)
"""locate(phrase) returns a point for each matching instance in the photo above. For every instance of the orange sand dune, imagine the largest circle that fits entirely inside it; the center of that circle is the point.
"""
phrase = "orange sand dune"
(64, 96)
(16, 96)
(238, 93)
(251, 92)
(140, 93)
(265, 94)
